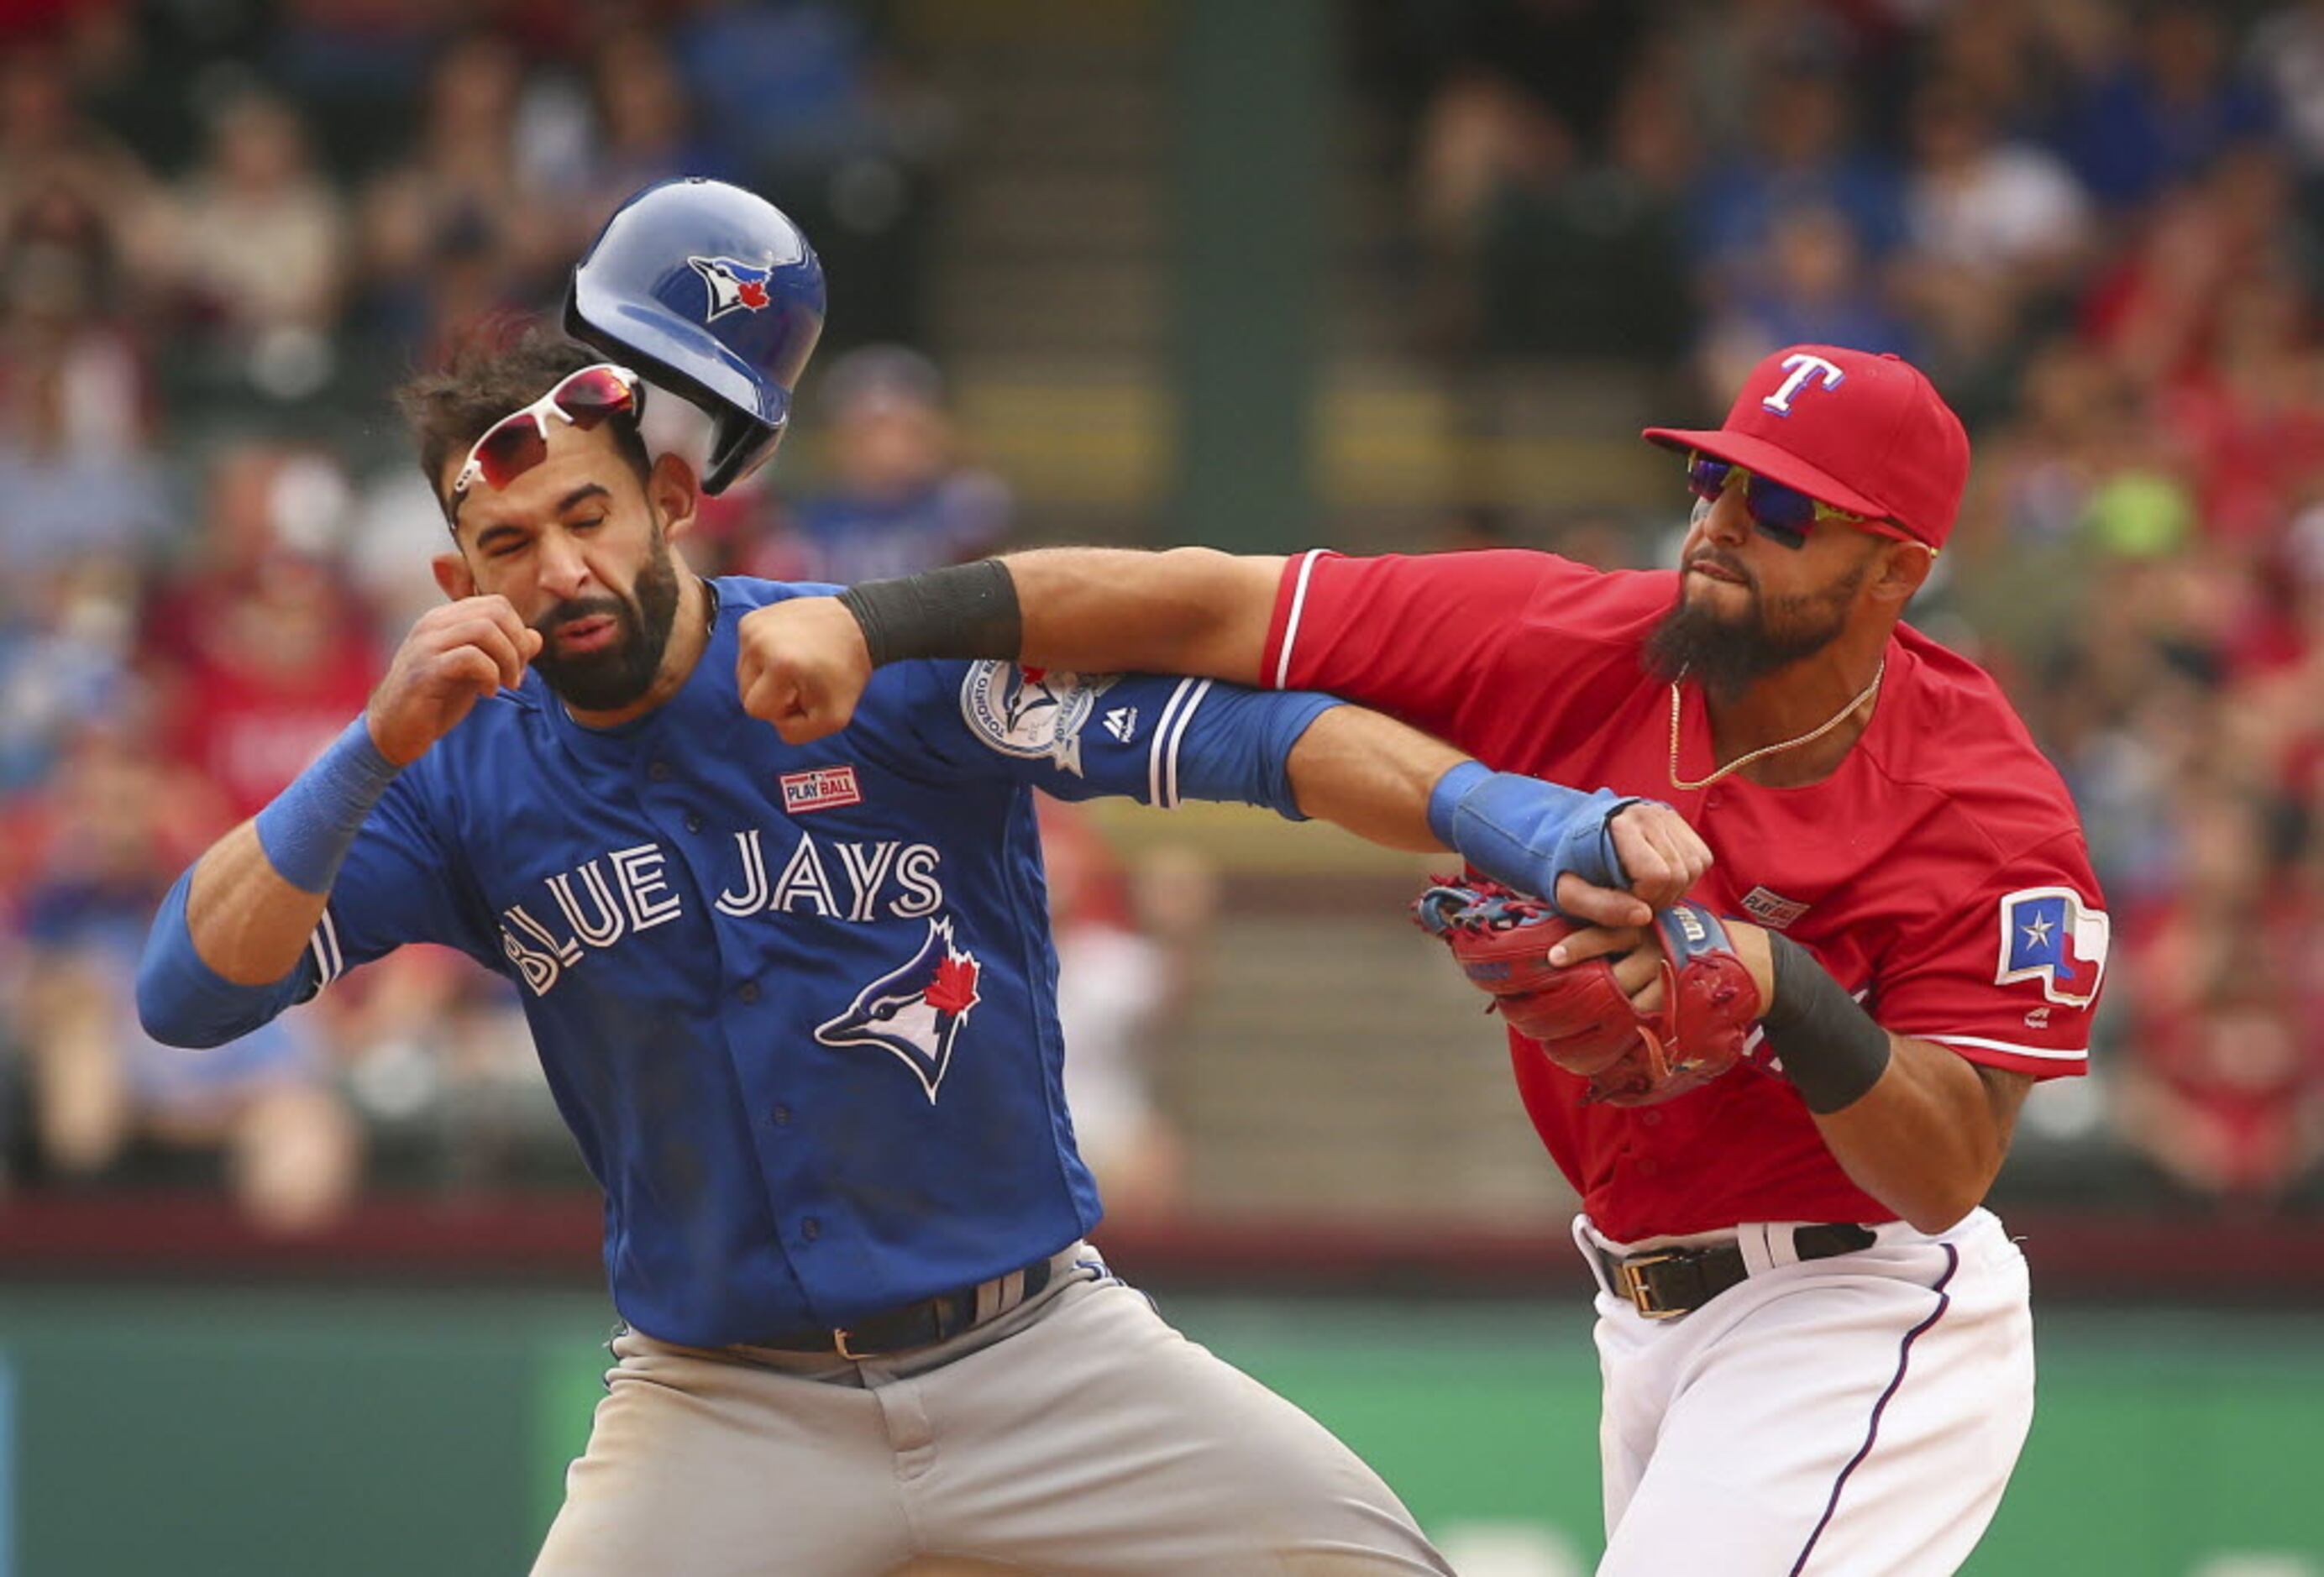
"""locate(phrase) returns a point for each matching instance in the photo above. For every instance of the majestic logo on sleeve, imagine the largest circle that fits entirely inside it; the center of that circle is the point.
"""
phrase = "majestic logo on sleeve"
(1035, 713)
(916, 1011)
(734, 287)
(2046, 934)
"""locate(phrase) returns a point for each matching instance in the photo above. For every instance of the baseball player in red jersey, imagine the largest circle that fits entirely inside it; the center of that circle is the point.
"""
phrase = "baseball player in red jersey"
(1815, 1341)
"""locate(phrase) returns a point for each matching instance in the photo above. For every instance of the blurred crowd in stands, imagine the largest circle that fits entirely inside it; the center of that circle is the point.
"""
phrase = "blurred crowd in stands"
(225, 228)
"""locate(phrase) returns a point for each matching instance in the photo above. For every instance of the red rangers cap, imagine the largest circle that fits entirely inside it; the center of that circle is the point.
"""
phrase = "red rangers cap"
(1865, 433)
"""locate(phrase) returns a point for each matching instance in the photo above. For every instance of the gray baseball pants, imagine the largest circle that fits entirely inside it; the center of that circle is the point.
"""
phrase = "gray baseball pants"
(1077, 1434)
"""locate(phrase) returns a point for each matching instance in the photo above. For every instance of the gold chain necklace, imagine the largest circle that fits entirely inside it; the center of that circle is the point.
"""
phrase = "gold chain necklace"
(1740, 763)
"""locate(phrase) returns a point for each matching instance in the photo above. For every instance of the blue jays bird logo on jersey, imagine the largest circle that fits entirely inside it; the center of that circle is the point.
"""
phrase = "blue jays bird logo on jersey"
(916, 1011)
(2046, 934)
(1035, 713)
(734, 287)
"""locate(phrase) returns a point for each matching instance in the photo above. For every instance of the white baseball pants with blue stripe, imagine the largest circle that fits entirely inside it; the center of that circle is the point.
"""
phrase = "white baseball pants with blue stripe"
(1856, 1416)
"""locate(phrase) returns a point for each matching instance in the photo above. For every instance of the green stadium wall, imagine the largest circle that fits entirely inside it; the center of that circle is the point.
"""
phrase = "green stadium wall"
(349, 1433)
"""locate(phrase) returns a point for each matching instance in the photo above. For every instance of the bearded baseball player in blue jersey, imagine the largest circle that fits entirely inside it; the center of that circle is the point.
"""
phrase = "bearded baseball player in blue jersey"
(798, 1002)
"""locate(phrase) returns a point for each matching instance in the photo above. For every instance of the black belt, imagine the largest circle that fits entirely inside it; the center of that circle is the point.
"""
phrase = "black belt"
(919, 1325)
(1662, 1284)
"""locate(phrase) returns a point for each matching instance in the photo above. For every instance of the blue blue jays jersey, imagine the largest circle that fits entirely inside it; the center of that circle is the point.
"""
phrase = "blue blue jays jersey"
(798, 1003)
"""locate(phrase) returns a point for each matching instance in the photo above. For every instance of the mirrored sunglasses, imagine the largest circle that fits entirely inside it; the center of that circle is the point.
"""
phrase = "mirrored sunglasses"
(519, 441)
(1781, 514)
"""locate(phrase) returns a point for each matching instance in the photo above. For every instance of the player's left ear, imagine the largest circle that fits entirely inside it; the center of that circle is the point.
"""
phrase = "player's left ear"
(1901, 570)
(453, 578)
(675, 493)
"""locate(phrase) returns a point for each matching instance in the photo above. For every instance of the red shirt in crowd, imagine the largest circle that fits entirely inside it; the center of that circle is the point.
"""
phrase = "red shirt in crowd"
(259, 675)
(1939, 872)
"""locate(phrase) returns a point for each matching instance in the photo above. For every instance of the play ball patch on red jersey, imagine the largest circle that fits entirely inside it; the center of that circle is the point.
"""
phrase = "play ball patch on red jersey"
(1772, 909)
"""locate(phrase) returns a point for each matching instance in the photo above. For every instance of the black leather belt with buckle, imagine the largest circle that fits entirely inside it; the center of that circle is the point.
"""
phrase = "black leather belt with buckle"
(918, 1325)
(1662, 1284)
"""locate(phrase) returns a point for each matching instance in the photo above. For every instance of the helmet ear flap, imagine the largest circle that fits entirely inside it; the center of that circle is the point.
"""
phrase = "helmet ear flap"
(739, 446)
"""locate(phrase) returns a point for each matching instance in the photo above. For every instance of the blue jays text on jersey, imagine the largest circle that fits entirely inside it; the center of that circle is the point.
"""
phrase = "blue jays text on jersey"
(797, 1003)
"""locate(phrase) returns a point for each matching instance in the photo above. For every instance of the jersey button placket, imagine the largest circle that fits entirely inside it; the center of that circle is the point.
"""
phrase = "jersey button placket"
(748, 991)
(659, 771)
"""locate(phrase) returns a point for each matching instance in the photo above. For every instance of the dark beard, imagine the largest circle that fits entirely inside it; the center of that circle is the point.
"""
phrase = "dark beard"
(621, 673)
(1727, 656)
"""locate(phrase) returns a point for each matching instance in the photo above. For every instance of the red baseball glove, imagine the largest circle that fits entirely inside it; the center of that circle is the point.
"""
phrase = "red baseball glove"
(1579, 1013)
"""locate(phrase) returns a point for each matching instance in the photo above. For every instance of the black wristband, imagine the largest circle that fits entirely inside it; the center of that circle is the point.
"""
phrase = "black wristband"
(969, 609)
(1832, 1051)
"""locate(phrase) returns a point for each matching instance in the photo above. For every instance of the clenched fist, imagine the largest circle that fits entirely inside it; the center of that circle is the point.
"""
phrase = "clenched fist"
(1662, 855)
(802, 666)
(455, 657)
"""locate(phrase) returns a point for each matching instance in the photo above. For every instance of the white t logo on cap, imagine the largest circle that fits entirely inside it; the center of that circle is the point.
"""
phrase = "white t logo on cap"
(1801, 368)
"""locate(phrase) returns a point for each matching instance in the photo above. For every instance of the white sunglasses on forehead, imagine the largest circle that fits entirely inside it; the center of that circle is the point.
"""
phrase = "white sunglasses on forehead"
(519, 441)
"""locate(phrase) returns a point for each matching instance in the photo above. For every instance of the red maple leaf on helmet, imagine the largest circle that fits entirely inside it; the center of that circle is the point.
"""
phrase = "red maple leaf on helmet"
(752, 293)
(954, 991)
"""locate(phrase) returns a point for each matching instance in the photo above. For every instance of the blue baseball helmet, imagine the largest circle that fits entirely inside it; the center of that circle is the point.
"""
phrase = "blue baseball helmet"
(711, 292)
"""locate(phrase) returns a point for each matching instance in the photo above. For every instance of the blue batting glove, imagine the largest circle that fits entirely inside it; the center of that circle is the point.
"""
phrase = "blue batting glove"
(1526, 833)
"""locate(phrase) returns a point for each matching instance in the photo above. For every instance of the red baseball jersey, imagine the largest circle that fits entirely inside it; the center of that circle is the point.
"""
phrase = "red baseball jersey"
(1939, 873)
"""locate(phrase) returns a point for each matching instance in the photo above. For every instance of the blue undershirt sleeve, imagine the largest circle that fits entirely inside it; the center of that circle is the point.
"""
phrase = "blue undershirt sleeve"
(395, 883)
(183, 1002)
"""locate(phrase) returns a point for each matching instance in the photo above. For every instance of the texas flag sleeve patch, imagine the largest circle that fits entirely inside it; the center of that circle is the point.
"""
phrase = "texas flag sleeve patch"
(2047, 936)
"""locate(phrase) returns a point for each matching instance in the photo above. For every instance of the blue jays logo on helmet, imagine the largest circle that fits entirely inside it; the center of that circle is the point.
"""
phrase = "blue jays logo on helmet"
(712, 293)
(916, 1011)
(734, 287)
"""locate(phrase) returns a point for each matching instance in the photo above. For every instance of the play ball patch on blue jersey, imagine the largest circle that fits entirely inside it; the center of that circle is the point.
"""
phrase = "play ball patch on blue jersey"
(820, 788)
